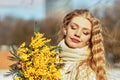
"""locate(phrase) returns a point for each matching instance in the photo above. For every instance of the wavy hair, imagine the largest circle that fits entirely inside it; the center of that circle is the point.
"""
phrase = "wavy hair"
(97, 57)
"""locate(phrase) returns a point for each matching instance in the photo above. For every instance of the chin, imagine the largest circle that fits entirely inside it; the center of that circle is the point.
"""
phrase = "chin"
(72, 46)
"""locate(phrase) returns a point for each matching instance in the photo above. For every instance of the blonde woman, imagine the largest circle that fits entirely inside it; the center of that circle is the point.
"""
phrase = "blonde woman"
(82, 52)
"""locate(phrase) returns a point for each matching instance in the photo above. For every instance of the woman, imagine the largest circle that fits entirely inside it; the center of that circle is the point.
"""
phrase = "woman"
(82, 52)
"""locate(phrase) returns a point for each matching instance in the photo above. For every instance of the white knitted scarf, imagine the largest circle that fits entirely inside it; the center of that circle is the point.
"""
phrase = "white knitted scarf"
(72, 58)
(73, 55)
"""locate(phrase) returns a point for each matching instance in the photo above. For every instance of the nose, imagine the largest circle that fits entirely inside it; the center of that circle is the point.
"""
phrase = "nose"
(78, 33)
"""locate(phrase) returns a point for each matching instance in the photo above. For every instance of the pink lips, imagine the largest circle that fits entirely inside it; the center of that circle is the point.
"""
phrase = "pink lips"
(75, 40)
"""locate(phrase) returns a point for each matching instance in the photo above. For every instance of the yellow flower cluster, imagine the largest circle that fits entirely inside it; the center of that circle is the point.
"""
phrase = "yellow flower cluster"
(38, 60)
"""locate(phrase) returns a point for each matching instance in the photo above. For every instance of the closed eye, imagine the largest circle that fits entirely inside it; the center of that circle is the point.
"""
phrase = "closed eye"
(74, 27)
(86, 33)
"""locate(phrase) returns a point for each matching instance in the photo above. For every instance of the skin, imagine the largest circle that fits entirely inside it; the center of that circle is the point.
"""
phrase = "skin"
(78, 32)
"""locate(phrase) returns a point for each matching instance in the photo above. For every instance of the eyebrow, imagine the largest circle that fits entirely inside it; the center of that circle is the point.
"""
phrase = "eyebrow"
(75, 24)
(86, 29)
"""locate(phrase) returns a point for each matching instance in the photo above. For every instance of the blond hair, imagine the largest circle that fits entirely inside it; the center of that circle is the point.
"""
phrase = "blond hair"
(97, 58)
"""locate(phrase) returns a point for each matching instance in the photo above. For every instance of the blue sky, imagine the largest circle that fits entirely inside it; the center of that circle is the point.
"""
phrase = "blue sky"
(91, 3)
(26, 9)
(23, 12)
(83, 3)
(37, 10)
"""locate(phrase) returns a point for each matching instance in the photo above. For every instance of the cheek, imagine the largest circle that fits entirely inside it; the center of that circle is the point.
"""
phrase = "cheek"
(70, 32)
(86, 39)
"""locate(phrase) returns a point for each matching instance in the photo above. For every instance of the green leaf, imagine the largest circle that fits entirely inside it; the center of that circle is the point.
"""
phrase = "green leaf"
(59, 49)
(13, 51)
(11, 72)
(36, 27)
(12, 58)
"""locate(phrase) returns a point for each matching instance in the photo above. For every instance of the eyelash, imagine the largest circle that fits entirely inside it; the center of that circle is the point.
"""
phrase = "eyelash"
(86, 33)
(73, 27)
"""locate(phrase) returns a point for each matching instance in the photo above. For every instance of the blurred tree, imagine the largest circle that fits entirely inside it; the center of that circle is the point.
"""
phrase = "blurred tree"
(50, 27)
(111, 22)
(110, 18)
(23, 31)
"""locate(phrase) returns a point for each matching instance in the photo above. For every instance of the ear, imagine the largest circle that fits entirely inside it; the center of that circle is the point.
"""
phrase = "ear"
(64, 30)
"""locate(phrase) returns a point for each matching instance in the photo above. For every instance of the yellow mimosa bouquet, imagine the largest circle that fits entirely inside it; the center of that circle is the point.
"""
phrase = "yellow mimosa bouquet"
(36, 61)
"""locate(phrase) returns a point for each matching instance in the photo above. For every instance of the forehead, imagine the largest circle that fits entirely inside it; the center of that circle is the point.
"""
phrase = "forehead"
(82, 22)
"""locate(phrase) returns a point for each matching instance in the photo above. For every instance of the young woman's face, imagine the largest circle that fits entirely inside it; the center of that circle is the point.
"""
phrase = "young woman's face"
(78, 32)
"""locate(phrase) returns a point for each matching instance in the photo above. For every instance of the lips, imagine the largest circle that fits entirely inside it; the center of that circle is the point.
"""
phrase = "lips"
(75, 40)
